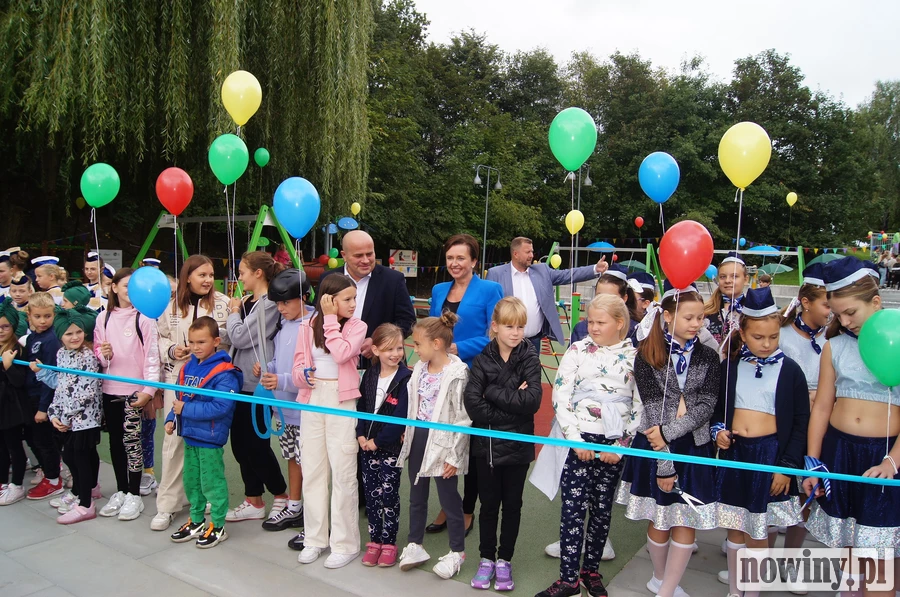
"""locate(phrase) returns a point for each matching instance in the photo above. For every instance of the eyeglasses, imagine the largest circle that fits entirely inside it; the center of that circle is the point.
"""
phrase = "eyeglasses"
(5, 327)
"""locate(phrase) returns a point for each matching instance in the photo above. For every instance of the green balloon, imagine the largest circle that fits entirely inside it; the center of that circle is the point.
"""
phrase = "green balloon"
(99, 184)
(334, 252)
(261, 157)
(228, 158)
(879, 346)
(897, 237)
(573, 137)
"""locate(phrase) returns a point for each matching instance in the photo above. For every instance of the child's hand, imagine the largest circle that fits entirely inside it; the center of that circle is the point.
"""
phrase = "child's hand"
(610, 458)
(449, 471)
(178, 406)
(370, 445)
(33, 365)
(106, 350)
(780, 485)
(8, 357)
(811, 482)
(234, 304)
(665, 484)
(362, 442)
(584, 455)
(59, 426)
(181, 352)
(724, 440)
(309, 376)
(170, 428)
(884, 470)
(141, 400)
(269, 381)
(327, 304)
(524, 385)
(257, 370)
(40, 417)
(654, 436)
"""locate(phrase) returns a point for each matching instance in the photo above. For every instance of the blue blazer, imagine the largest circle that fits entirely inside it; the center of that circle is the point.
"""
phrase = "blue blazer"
(544, 279)
(475, 311)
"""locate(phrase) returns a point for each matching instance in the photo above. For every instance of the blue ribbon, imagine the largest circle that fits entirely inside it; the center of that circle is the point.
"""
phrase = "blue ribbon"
(518, 437)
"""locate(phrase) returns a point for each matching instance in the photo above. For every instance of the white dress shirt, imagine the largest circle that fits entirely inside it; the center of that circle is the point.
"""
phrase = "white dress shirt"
(523, 289)
(362, 287)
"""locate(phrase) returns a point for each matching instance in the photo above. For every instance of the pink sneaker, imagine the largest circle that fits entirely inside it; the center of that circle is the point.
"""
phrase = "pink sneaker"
(373, 552)
(388, 556)
(95, 492)
(78, 514)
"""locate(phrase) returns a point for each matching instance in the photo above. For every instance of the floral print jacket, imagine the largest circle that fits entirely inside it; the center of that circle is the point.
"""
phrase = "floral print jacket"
(595, 392)
(77, 400)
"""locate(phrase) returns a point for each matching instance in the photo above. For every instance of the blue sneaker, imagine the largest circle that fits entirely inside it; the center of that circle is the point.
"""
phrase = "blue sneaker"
(484, 576)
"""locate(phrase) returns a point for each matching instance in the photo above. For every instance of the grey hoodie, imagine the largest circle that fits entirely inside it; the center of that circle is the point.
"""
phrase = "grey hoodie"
(246, 348)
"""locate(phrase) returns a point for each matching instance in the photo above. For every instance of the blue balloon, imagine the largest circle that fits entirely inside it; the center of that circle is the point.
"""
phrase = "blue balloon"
(659, 176)
(297, 205)
(712, 272)
(149, 291)
(742, 241)
(348, 223)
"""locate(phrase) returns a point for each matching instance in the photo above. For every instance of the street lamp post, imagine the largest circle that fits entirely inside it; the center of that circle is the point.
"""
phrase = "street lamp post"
(487, 196)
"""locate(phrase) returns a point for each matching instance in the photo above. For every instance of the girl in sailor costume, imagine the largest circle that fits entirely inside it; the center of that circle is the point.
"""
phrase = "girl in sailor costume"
(761, 418)
(678, 379)
(853, 428)
(723, 308)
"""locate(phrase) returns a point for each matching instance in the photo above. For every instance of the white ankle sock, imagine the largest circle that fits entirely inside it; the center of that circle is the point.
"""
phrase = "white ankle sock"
(294, 505)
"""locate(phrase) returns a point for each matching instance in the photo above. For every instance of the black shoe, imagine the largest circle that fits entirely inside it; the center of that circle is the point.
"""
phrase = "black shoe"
(284, 520)
(561, 589)
(471, 526)
(593, 582)
(436, 528)
(296, 543)
(188, 531)
(211, 536)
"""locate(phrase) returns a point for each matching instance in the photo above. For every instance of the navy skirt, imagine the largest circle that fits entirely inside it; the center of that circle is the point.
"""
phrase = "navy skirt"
(857, 514)
(744, 503)
(643, 499)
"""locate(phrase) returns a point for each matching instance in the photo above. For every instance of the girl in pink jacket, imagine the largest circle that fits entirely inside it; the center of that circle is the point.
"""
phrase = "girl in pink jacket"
(328, 348)
(127, 345)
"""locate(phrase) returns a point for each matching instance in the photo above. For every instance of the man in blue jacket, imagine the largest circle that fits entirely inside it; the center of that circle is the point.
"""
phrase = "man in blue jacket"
(204, 422)
(533, 285)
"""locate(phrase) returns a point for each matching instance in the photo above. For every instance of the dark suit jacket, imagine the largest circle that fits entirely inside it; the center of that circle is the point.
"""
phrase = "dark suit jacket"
(387, 300)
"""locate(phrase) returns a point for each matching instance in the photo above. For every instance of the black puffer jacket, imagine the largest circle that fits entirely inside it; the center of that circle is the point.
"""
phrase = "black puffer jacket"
(386, 436)
(494, 401)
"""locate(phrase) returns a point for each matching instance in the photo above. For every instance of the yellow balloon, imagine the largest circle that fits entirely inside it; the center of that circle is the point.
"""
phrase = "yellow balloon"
(791, 199)
(574, 221)
(332, 263)
(241, 95)
(80, 202)
(555, 261)
(744, 153)
(355, 208)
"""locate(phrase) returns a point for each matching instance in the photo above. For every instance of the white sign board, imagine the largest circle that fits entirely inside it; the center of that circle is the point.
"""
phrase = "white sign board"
(112, 257)
(405, 261)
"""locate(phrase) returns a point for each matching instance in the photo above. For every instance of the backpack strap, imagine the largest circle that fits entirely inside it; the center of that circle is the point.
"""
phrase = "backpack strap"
(213, 372)
(137, 327)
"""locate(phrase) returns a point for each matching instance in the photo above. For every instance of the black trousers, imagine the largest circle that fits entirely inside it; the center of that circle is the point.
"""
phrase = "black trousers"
(260, 469)
(127, 480)
(43, 443)
(12, 452)
(470, 487)
(499, 486)
(80, 454)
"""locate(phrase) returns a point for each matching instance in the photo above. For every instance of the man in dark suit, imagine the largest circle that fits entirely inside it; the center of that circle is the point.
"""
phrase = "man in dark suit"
(381, 293)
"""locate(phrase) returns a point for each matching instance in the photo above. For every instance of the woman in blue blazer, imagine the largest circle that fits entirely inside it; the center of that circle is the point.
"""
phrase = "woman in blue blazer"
(473, 300)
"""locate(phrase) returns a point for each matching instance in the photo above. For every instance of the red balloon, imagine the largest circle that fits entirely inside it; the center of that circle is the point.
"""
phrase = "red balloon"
(615, 257)
(685, 252)
(391, 260)
(639, 222)
(175, 190)
(323, 259)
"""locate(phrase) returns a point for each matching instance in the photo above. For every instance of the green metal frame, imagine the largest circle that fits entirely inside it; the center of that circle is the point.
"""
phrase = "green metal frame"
(154, 230)
(801, 264)
(652, 264)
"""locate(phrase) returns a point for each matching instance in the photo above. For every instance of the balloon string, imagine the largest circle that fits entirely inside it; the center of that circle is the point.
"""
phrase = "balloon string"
(572, 244)
(661, 221)
(175, 238)
(96, 240)
(228, 234)
(669, 361)
(726, 319)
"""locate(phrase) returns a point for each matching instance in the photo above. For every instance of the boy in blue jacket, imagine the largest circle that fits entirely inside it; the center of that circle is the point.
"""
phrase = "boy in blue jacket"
(204, 423)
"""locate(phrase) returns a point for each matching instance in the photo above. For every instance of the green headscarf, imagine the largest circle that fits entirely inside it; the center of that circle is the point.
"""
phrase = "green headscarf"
(76, 293)
(80, 316)
(17, 320)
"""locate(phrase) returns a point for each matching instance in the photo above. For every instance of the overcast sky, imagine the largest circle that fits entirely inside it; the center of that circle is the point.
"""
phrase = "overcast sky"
(842, 47)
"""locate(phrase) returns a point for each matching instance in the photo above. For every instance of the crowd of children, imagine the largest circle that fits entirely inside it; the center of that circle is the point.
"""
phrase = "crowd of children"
(733, 378)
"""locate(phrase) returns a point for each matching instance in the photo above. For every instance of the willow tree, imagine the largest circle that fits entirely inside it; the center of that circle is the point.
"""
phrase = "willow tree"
(138, 85)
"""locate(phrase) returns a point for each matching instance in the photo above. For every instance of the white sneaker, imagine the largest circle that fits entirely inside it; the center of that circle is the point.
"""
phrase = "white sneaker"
(12, 494)
(448, 566)
(722, 577)
(552, 550)
(148, 484)
(694, 547)
(339, 560)
(113, 506)
(161, 521)
(132, 507)
(58, 500)
(309, 555)
(277, 506)
(608, 552)
(69, 501)
(412, 556)
(654, 585)
(246, 511)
